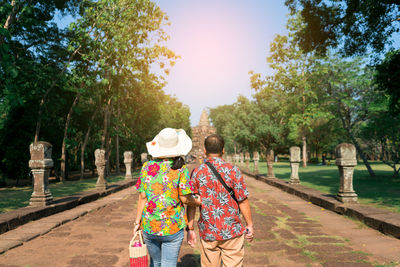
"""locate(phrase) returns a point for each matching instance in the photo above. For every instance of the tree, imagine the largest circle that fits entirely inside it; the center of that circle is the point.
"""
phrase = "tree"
(382, 129)
(293, 76)
(251, 125)
(387, 79)
(221, 116)
(113, 38)
(382, 133)
(350, 91)
(69, 81)
(353, 25)
(32, 49)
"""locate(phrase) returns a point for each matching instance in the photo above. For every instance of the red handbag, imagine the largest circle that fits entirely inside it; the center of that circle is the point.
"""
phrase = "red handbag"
(138, 255)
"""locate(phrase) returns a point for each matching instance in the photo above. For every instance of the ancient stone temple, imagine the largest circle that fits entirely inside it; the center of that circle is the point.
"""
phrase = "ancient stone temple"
(199, 133)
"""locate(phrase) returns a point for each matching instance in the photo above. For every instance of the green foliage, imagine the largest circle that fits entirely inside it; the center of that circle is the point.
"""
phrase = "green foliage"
(310, 99)
(353, 25)
(221, 116)
(387, 79)
(248, 125)
(103, 59)
(31, 48)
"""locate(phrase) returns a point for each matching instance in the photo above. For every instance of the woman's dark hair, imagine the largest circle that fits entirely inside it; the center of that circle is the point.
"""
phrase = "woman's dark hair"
(177, 163)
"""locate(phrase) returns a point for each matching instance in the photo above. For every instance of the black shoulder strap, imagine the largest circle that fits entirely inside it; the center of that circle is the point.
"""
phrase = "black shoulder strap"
(216, 173)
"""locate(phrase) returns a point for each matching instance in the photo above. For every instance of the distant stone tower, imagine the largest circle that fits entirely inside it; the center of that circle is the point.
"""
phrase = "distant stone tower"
(199, 133)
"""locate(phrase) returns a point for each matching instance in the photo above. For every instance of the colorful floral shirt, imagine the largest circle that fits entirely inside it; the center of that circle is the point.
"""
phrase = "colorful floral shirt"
(164, 213)
(219, 212)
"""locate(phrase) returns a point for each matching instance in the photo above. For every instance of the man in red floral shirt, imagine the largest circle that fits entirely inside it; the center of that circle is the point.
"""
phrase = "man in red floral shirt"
(221, 230)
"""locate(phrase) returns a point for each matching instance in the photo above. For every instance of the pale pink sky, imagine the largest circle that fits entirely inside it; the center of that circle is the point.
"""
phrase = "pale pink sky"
(219, 42)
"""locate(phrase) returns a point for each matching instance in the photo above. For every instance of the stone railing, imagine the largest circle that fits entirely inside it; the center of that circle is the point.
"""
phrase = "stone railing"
(345, 160)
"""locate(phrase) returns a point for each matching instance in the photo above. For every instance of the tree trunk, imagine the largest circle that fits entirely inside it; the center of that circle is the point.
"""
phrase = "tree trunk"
(105, 142)
(12, 16)
(353, 139)
(117, 154)
(9, 21)
(108, 153)
(64, 175)
(105, 124)
(117, 141)
(361, 153)
(83, 147)
(304, 151)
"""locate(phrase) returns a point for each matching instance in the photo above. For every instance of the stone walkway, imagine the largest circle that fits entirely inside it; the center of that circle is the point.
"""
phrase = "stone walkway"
(288, 232)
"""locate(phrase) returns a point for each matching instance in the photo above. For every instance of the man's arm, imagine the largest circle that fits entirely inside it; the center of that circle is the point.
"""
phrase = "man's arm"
(191, 235)
(191, 200)
(246, 212)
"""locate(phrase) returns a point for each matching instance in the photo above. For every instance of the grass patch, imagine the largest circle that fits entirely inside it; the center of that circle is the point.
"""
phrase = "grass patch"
(312, 219)
(361, 252)
(381, 191)
(258, 210)
(309, 254)
(391, 264)
(281, 222)
(18, 197)
(360, 224)
(300, 242)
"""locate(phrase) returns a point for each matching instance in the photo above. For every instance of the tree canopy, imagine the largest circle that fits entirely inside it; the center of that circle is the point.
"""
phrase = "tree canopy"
(87, 86)
(352, 25)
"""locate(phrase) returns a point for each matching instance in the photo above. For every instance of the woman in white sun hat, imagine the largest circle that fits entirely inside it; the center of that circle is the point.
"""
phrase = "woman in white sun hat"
(164, 186)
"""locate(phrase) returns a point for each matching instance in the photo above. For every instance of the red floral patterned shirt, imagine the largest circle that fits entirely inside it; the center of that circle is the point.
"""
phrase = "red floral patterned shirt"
(219, 212)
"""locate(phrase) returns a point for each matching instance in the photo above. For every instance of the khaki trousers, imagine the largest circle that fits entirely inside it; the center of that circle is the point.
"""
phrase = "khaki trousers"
(230, 252)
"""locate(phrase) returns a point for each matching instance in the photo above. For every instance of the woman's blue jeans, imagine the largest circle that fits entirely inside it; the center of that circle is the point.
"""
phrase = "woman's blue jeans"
(164, 250)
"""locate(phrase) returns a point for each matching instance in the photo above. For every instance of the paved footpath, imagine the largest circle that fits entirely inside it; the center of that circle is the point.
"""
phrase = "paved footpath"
(288, 232)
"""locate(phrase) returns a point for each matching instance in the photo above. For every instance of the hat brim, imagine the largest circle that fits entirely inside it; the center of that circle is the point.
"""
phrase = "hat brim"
(181, 149)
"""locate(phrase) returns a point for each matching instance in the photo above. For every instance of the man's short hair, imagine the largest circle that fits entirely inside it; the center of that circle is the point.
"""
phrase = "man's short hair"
(214, 144)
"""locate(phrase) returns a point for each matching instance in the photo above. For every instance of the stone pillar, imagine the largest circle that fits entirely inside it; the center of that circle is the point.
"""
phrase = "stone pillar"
(247, 158)
(128, 160)
(237, 159)
(294, 164)
(270, 163)
(256, 158)
(41, 163)
(346, 161)
(143, 158)
(241, 159)
(100, 161)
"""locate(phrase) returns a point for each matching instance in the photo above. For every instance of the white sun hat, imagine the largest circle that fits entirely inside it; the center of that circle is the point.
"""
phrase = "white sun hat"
(169, 143)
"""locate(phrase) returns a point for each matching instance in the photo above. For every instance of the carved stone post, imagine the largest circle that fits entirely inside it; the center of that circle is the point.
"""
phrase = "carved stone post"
(237, 159)
(41, 163)
(100, 161)
(229, 158)
(346, 161)
(294, 164)
(241, 159)
(256, 158)
(270, 163)
(143, 157)
(128, 160)
(247, 158)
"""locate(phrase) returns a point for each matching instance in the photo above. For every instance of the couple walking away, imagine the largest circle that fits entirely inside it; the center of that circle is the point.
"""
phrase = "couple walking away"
(216, 187)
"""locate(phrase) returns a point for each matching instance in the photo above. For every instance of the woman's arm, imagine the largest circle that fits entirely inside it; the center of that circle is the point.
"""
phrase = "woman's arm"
(142, 200)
